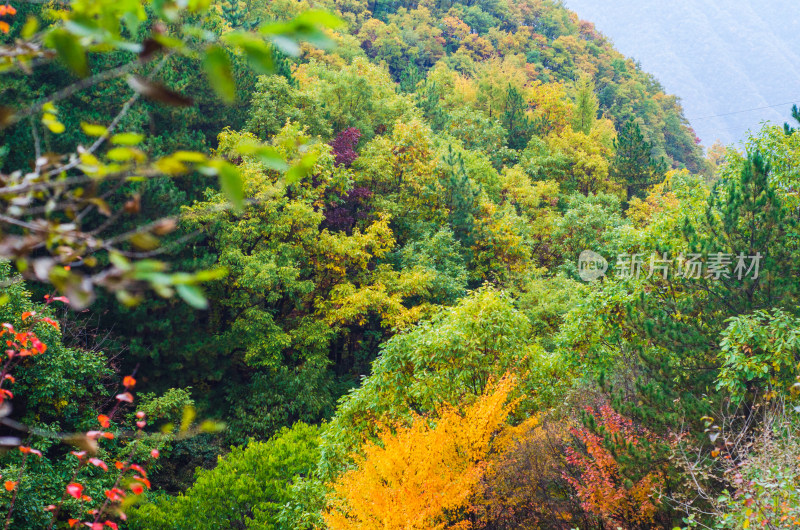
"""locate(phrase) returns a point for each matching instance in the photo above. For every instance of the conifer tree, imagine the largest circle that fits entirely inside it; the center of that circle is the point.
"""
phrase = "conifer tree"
(788, 129)
(634, 165)
(463, 199)
(428, 101)
(515, 121)
(681, 318)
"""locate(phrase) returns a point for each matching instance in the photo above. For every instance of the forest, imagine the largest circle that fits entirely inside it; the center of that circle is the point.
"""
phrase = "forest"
(383, 264)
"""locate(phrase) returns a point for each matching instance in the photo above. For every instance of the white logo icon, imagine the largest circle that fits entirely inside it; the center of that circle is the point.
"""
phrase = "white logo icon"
(591, 266)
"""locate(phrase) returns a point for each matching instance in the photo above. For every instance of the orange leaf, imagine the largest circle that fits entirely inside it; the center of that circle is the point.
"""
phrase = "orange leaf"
(10, 485)
(128, 381)
(104, 420)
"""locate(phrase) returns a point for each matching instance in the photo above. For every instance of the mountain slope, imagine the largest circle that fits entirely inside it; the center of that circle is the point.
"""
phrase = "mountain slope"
(721, 58)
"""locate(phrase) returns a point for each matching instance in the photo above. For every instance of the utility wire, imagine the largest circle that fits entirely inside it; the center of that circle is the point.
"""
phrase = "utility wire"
(743, 111)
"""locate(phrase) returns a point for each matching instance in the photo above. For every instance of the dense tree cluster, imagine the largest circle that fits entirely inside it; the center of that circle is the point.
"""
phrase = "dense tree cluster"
(386, 218)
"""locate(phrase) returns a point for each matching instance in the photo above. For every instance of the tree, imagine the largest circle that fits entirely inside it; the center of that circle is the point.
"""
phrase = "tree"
(449, 358)
(463, 199)
(248, 489)
(586, 106)
(601, 484)
(421, 476)
(746, 218)
(515, 119)
(634, 165)
(789, 130)
(58, 229)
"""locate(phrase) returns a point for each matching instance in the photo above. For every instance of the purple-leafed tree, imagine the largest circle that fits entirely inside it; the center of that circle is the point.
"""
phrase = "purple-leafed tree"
(344, 146)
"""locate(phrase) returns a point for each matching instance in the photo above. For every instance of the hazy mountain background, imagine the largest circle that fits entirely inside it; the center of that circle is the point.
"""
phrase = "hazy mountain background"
(720, 56)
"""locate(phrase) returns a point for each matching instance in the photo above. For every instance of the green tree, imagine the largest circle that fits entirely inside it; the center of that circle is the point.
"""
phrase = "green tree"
(248, 489)
(515, 120)
(634, 165)
(586, 106)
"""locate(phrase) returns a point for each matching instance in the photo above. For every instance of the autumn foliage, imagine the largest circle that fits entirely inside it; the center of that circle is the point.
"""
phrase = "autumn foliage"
(600, 483)
(422, 476)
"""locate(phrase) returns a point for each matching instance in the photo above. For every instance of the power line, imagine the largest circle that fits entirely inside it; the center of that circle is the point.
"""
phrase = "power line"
(743, 111)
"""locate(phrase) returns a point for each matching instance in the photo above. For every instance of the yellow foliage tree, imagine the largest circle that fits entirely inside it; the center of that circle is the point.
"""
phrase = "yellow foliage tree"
(422, 476)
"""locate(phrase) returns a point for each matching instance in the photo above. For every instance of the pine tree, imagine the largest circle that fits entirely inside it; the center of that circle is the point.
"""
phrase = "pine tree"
(634, 165)
(515, 121)
(462, 199)
(428, 100)
(681, 318)
(789, 130)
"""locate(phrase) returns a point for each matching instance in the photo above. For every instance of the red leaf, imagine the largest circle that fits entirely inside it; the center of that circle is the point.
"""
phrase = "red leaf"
(60, 299)
(98, 463)
(27, 450)
(104, 420)
(51, 322)
(27, 314)
(75, 489)
(154, 453)
(128, 381)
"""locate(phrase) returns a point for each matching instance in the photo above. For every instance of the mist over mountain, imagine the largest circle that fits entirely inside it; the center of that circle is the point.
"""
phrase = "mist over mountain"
(723, 58)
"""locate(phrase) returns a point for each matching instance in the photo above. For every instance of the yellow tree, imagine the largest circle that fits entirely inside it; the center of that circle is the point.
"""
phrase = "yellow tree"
(422, 476)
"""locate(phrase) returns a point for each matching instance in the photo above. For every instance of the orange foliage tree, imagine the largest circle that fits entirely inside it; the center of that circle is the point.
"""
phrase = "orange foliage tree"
(422, 476)
(601, 483)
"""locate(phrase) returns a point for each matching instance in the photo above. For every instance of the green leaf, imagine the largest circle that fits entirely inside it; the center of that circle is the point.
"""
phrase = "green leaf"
(127, 139)
(210, 275)
(69, 50)
(230, 182)
(189, 415)
(90, 129)
(30, 28)
(121, 154)
(192, 295)
(258, 53)
(220, 76)
(300, 169)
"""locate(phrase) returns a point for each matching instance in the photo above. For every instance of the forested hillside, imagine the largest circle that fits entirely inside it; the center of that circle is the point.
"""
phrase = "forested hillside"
(715, 55)
(346, 265)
